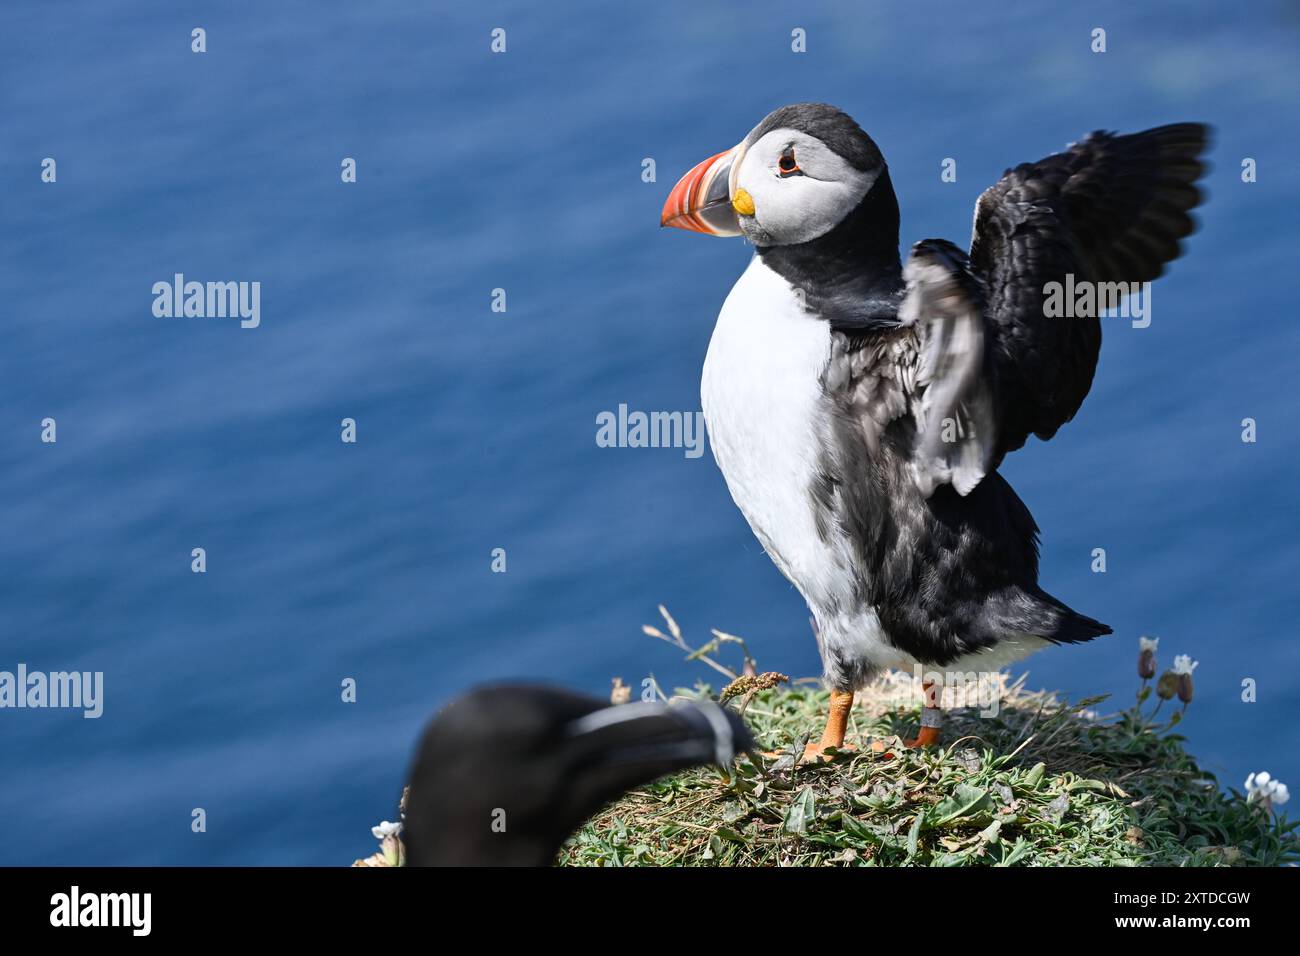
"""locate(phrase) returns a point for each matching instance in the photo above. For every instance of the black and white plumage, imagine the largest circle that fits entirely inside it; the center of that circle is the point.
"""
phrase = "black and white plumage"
(859, 408)
(505, 773)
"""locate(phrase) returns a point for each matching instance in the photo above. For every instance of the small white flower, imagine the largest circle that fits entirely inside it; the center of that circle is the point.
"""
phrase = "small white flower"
(1183, 664)
(1148, 644)
(1263, 788)
(386, 829)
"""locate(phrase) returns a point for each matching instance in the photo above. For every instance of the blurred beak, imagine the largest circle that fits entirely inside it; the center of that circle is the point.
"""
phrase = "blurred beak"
(661, 737)
(701, 200)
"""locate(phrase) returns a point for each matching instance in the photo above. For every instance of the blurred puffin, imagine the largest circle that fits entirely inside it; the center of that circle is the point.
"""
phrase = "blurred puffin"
(859, 409)
(505, 773)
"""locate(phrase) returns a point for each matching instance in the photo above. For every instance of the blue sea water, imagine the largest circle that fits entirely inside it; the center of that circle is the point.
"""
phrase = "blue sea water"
(476, 429)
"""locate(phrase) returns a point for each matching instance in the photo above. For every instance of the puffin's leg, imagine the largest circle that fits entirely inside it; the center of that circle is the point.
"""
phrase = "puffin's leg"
(931, 721)
(837, 721)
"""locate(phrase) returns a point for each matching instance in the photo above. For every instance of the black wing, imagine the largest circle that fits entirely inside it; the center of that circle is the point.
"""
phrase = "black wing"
(994, 367)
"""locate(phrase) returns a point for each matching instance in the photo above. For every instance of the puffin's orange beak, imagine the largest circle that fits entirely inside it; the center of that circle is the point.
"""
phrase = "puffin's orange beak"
(701, 200)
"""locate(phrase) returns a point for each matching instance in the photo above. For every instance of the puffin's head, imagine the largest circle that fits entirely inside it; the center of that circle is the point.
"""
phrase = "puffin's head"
(505, 773)
(795, 177)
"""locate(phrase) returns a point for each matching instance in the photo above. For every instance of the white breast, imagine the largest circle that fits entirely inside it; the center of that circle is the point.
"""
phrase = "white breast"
(765, 407)
(763, 402)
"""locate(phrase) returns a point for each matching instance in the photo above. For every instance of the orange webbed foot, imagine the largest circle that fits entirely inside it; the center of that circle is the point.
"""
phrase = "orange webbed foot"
(927, 737)
(813, 753)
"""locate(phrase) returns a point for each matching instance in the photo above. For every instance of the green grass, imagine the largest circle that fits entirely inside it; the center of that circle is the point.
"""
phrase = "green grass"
(1043, 783)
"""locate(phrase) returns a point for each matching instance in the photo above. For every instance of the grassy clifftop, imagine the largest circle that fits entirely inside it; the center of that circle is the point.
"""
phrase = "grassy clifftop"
(1041, 783)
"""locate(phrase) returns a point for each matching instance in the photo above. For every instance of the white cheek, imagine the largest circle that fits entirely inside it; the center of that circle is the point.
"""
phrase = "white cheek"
(800, 208)
(793, 209)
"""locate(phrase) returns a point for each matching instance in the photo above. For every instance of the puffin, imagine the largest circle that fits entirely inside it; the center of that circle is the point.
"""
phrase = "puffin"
(504, 773)
(859, 406)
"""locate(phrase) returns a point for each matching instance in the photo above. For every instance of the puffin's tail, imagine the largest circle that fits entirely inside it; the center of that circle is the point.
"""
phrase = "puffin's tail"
(1066, 625)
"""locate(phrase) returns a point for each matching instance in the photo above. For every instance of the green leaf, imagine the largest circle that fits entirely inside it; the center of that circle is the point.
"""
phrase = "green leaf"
(914, 834)
(802, 810)
(732, 812)
(965, 801)
(1035, 775)
(855, 829)
(827, 838)
(1018, 852)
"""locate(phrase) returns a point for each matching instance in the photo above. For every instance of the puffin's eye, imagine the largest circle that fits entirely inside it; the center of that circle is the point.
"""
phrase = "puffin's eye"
(787, 165)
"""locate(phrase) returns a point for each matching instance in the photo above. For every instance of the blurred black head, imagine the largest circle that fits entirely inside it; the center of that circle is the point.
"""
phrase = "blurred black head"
(504, 774)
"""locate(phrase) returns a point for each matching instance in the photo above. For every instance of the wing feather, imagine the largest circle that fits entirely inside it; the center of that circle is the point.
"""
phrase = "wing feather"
(991, 366)
(1108, 209)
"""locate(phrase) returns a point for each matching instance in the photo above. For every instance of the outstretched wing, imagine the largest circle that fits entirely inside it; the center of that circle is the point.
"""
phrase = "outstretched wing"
(953, 381)
(994, 368)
